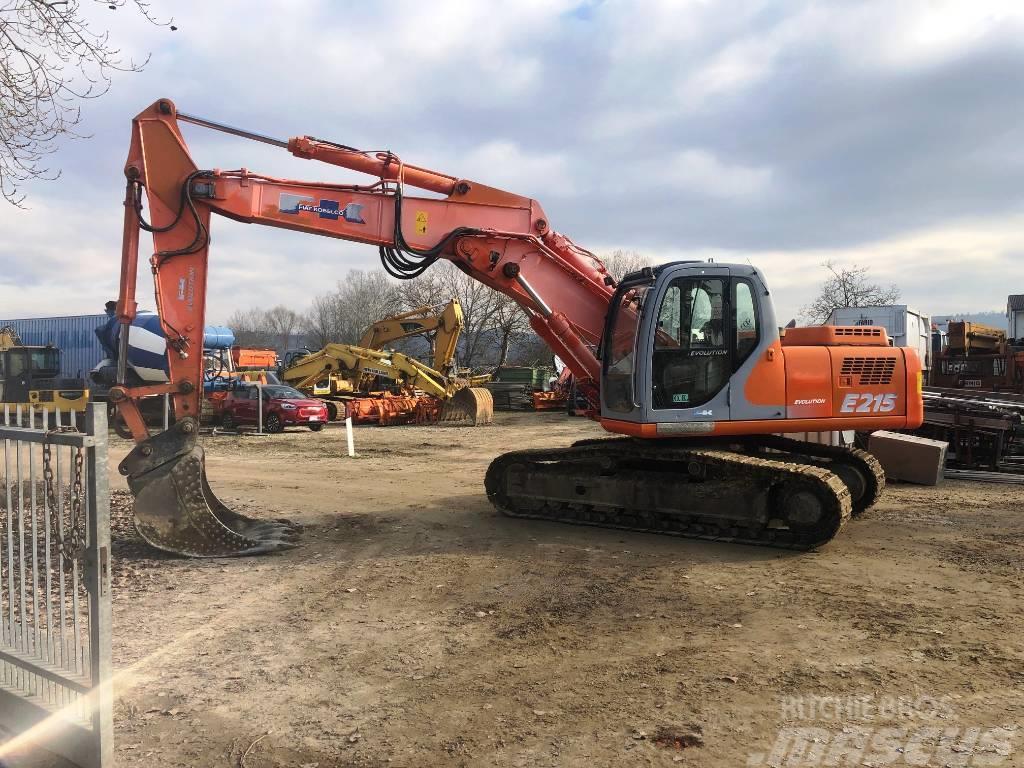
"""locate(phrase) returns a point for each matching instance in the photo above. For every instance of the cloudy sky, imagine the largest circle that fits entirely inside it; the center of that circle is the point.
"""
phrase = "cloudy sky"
(889, 134)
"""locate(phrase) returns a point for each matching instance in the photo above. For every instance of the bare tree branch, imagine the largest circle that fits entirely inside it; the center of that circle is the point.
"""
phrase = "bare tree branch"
(847, 287)
(620, 263)
(50, 60)
(360, 299)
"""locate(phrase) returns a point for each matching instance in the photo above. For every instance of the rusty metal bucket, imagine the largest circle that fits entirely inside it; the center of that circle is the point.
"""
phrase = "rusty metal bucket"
(472, 406)
(176, 511)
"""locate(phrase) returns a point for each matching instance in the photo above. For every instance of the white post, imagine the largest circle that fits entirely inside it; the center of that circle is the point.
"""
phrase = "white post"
(348, 434)
(259, 409)
(167, 411)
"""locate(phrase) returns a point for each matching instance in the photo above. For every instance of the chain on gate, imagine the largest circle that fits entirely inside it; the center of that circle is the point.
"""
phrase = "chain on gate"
(70, 543)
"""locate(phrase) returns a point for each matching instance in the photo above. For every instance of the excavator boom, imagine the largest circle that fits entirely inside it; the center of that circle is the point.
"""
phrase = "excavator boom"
(687, 353)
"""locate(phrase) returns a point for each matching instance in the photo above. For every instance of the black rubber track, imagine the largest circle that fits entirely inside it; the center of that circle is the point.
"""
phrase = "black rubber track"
(825, 455)
(778, 479)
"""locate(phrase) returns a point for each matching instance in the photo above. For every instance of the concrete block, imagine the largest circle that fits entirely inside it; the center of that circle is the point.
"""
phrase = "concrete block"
(908, 457)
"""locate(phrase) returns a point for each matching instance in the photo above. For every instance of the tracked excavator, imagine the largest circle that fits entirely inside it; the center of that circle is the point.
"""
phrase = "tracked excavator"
(683, 362)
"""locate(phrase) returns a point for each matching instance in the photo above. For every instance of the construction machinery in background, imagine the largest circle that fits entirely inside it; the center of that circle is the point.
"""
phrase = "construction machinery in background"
(373, 385)
(979, 357)
(513, 386)
(562, 395)
(444, 321)
(333, 373)
(984, 430)
(556, 396)
(683, 361)
(30, 377)
(253, 358)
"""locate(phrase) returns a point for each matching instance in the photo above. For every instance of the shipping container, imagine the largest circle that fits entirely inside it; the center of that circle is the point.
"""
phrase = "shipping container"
(74, 335)
(906, 327)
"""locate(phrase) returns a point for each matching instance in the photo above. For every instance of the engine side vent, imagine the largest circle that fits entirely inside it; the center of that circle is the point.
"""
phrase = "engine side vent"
(870, 370)
(860, 331)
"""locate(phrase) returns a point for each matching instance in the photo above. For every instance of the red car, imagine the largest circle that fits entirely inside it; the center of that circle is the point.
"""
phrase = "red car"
(282, 407)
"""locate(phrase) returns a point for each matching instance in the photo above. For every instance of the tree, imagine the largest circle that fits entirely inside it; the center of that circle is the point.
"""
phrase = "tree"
(360, 299)
(51, 58)
(620, 263)
(282, 323)
(511, 324)
(249, 327)
(847, 287)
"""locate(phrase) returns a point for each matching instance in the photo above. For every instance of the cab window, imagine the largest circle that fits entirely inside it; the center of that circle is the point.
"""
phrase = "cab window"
(620, 347)
(17, 363)
(747, 332)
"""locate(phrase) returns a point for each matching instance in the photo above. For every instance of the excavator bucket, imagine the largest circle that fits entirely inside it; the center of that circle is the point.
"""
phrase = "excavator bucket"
(176, 511)
(472, 406)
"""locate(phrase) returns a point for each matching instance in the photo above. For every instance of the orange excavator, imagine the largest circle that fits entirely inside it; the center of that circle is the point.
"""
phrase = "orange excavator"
(684, 361)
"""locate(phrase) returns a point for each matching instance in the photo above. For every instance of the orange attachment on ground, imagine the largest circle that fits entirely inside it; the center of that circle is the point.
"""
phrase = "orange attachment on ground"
(550, 401)
(387, 409)
(837, 336)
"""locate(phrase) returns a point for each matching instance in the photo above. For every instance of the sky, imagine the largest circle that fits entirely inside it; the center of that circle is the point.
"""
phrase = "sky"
(783, 134)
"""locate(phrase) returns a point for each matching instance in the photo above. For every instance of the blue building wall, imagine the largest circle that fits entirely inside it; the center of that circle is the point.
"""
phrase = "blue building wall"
(75, 335)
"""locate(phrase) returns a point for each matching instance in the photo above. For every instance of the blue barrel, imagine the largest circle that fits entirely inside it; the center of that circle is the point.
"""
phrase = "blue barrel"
(218, 337)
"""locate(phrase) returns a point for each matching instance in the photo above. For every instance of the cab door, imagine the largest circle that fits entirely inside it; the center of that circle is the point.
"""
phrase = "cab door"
(690, 348)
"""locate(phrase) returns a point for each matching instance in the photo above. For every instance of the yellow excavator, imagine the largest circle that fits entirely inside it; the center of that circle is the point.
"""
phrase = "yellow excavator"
(329, 372)
(339, 373)
(445, 321)
(30, 377)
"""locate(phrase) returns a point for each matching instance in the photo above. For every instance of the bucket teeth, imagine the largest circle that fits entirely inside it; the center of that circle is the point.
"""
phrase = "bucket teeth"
(472, 406)
(176, 511)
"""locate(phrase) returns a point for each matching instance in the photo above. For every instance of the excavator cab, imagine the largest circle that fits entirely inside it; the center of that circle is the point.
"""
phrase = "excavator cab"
(681, 342)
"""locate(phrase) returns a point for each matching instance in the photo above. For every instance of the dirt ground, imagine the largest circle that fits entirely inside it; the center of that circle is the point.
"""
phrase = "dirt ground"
(416, 626)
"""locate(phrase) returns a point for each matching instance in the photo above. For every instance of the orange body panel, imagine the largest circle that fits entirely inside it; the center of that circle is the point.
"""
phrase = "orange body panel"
(809, 390)
(766, 384)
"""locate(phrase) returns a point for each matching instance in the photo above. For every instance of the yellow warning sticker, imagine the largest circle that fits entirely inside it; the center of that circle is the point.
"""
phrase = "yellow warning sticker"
(421, 222)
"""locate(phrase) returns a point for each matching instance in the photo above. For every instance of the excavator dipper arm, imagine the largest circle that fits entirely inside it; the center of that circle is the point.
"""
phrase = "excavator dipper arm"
(499, 238)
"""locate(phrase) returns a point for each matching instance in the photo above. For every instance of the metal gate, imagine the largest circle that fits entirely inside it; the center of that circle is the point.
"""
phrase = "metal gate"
(55, 618)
